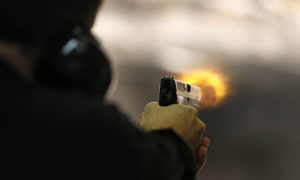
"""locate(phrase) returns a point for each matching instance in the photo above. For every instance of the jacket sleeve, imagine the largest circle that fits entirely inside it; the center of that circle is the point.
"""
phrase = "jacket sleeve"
(158, 155)
(77, 136)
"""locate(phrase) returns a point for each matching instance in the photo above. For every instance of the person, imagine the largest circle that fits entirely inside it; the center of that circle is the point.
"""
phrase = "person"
(55, 123)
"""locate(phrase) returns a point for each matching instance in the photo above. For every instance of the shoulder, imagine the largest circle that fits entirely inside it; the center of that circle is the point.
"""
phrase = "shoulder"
(70, 106)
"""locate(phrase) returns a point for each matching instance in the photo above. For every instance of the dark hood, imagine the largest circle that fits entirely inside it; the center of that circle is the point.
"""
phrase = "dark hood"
(28, 21)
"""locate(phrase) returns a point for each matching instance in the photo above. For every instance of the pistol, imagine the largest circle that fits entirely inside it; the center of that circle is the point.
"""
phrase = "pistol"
(172, 91)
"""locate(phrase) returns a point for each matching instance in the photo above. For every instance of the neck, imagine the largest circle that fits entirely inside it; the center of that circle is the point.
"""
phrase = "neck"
(19, 57)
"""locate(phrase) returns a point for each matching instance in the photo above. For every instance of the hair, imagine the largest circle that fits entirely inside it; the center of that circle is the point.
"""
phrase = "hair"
(29, 20)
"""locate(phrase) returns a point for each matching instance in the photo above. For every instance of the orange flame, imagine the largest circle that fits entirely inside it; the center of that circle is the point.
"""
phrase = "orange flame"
(213, 87)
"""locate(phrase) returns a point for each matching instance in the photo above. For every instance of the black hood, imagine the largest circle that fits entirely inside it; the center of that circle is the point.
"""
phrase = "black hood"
(29, 20)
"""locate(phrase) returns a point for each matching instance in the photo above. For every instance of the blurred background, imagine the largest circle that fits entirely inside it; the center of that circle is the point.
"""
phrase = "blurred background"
(253, 45)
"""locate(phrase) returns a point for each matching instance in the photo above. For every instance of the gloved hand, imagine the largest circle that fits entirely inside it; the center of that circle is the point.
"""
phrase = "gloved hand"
(183, 120)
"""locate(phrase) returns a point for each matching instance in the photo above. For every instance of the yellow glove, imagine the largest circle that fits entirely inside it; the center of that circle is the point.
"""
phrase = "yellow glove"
(183, 120)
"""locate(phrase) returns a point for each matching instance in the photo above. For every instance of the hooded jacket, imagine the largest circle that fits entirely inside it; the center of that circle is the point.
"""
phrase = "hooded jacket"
(57, 133)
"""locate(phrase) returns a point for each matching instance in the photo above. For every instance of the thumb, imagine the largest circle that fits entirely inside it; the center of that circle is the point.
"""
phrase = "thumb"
(141, 120)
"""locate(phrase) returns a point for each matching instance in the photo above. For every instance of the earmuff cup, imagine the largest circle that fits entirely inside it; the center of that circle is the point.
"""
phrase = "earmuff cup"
(70, 57)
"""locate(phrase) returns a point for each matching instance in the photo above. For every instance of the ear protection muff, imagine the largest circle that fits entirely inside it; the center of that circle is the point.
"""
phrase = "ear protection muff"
(70, 58)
